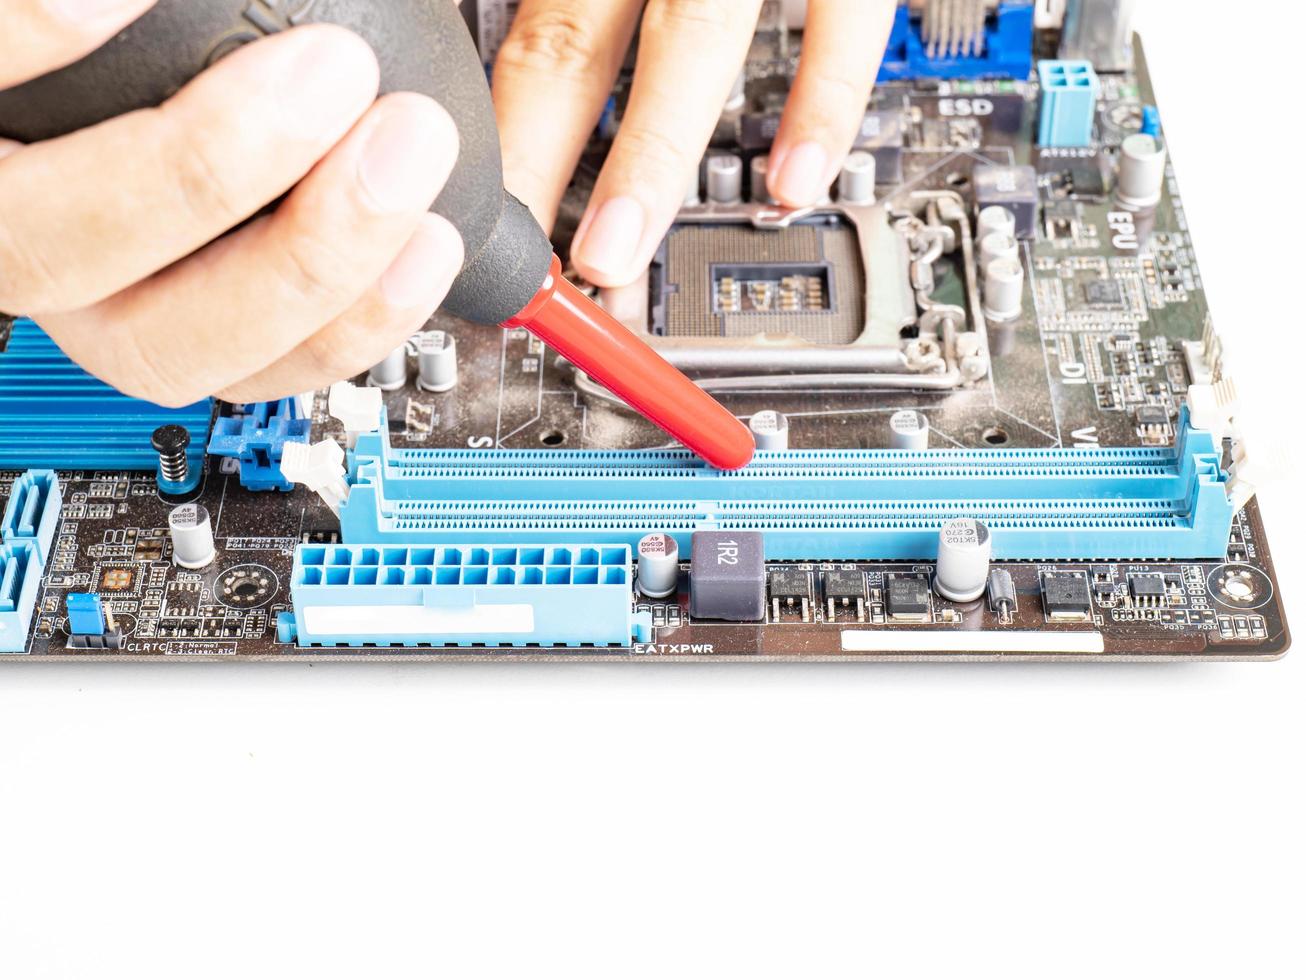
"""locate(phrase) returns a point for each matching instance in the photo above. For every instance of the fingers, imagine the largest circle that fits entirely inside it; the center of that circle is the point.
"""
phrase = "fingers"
(552, 78)
(249, 299)
(87, 215)
(690, 53)
(38, 36)
(387, 315)
(842, 46)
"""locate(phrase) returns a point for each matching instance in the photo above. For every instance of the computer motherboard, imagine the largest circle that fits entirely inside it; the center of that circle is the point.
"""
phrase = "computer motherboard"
(991, 410)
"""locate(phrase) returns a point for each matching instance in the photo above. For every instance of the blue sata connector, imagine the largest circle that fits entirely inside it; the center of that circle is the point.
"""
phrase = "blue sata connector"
(27, 533)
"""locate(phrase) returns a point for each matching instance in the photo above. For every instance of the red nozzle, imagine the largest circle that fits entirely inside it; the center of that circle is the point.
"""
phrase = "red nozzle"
(578, 329)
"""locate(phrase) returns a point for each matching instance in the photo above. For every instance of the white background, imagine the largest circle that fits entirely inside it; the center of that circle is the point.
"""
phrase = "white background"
(742, 821)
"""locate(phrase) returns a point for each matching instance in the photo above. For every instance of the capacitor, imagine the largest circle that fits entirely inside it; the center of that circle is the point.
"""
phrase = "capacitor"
(191, 531)
(437, 361)
(1141, 172)
(757, 191)
(997, 245)
(770, 430)
(1004, 288)
(857, 178)
(725, 178)
(994, 218)
(909, 429)
(659, 565)
(965, 547)
(391, 373)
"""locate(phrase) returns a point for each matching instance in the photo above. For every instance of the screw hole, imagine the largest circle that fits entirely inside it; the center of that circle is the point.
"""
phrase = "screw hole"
(957, 180)
(995, 436)
(553, 437)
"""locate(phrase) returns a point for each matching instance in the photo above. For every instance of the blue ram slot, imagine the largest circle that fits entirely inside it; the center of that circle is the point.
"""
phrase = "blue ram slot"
(55, 415)
(1008, 48)
(21, 569)
(809, 505)
(32, 513)
(552, 595)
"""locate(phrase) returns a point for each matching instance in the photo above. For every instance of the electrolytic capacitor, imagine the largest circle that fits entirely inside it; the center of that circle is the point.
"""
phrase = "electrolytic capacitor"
(770, 430)
(1004, 288)
(757, 180)
(997, 245)
(191, 531)
(725, 178)
(994, 218)
(437, 361)
(965, 547)
(658, 558)
(1141, 172)
(857, 179)
(909, 429)
(391, 373)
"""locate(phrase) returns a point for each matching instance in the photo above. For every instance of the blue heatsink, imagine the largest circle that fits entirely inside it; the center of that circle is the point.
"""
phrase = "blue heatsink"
(462, 596)
(55, 415)
(1008, 48)
(258, 439)
(811, 505)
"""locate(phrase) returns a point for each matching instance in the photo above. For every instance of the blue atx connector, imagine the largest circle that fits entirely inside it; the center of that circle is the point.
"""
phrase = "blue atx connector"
(258, 439)
(20, 580)
(1007, 50)
(809, 505)
(462, 596)
(85, 614)
(1070, 91)
(32, 513)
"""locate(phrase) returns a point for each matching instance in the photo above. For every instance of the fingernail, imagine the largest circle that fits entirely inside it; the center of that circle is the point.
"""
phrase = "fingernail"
(801, 179)
(328, 82)
(80, 11)
(422, 273)
(608, 244)
(409, 153)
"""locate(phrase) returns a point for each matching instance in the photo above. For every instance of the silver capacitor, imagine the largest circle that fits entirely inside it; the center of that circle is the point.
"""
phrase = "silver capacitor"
(757, 180)
(997, 245)
(1141, 173)
(770, 430)
(965, 547)
(994, 218)
(1004, 288)
(392, 373)
(437, 361)
(191, 531)
(658, 558)
(857, 179)
(909, 429)
(725, 178)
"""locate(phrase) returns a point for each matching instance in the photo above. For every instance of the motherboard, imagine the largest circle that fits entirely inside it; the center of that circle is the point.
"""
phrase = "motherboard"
(990, 405)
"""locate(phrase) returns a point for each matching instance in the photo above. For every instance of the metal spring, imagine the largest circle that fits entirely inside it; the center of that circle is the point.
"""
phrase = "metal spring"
(174, 467)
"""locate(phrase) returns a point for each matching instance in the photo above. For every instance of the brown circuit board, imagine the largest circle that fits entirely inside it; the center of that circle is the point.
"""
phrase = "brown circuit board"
(1097, 358)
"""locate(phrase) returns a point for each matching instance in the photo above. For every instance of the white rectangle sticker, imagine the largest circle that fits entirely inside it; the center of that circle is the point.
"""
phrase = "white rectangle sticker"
(957, 641)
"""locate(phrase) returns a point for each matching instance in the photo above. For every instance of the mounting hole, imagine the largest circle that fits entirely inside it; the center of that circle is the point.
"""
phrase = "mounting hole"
(995, 436)
(957, 180)
(553, 437)
(1239, 586)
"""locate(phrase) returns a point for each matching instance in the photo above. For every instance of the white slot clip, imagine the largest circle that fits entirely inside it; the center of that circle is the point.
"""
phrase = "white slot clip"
(358, 409)
(320, 467)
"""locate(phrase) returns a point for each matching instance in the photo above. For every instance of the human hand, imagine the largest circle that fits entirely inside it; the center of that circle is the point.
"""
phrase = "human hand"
(113, 237)
(555, 71)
